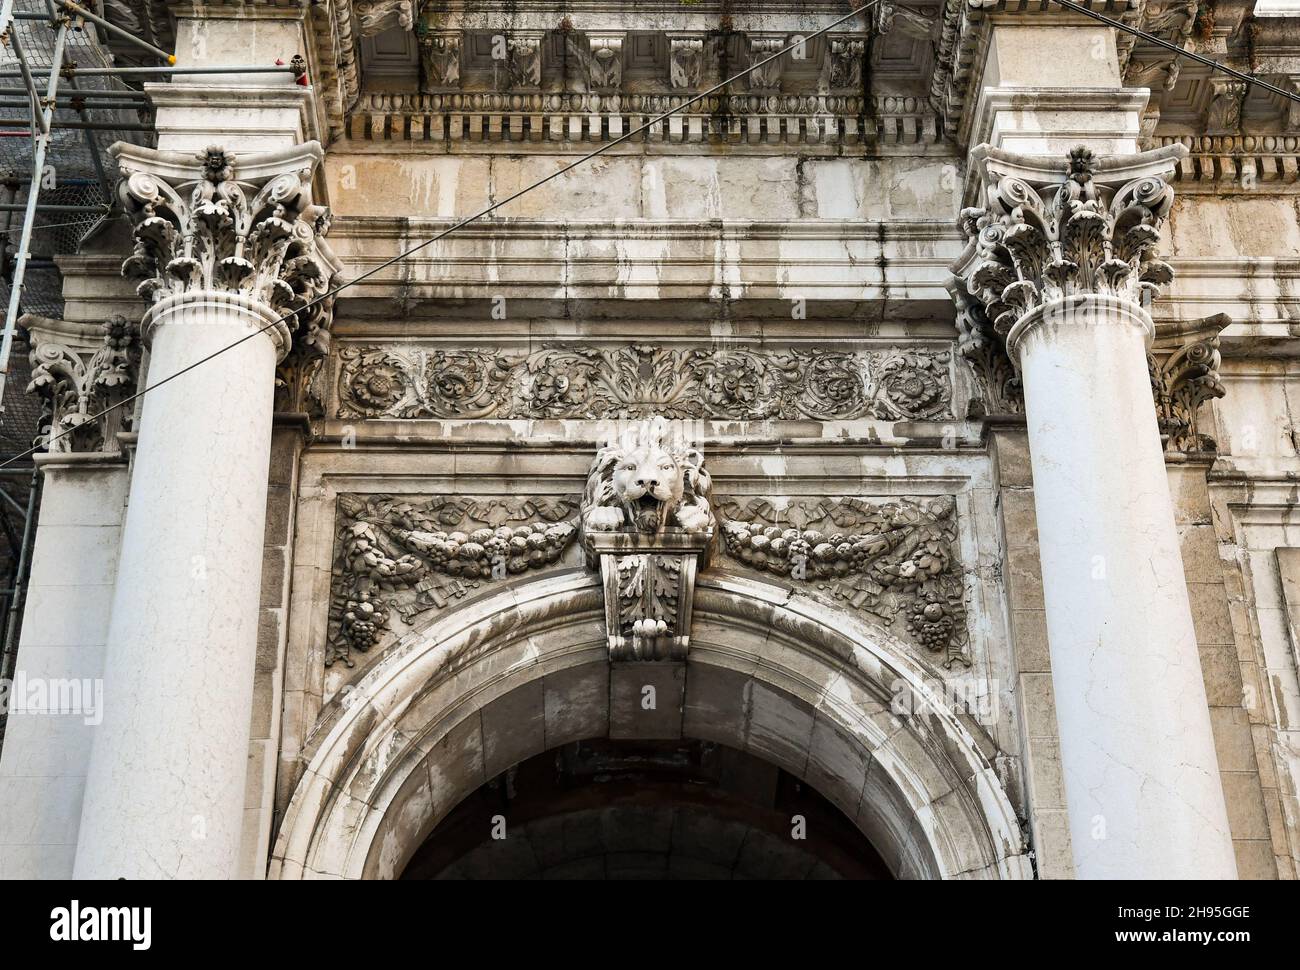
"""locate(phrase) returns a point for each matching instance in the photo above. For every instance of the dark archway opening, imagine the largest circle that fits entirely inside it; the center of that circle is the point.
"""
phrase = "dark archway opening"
(606, 809)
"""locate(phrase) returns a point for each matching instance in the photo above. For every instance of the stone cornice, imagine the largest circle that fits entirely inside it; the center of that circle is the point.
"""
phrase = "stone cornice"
(754, 120)
(1237, 163)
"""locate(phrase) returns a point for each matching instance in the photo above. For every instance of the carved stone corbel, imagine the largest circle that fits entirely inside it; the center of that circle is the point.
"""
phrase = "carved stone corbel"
(440, 60)
(844, 57)
(647, 525)
(1223, 116)
(912, 22)
(520, 67)
(81, 370)
(1171, 20)
(605, 61)
(376, 16)
(1185, 375)
(685, 61)
(649, 586)
(768, 77)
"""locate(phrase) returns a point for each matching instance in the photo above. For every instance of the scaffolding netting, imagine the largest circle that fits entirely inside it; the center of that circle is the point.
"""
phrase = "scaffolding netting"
(78, 171)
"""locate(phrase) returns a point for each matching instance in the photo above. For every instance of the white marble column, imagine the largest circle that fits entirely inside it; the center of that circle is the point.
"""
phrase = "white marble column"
(1061, 257)
(165, 792)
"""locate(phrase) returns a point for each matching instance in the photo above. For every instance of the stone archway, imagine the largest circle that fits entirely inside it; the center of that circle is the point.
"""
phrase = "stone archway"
(770, 672)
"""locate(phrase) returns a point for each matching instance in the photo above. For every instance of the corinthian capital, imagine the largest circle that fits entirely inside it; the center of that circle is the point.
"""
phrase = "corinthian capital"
(239, 225)
(80, 370)
(1045, 232)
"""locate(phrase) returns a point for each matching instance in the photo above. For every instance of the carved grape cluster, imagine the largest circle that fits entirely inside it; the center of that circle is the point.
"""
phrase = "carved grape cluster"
(364, 621)
(930, 620)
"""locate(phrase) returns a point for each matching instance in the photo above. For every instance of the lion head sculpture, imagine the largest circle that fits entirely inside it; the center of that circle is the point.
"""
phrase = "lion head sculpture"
(645, 483)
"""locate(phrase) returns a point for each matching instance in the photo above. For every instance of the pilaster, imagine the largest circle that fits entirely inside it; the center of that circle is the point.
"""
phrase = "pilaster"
(57, 700)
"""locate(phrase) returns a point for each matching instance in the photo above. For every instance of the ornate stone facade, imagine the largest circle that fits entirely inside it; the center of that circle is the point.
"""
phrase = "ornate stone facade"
(875, 427)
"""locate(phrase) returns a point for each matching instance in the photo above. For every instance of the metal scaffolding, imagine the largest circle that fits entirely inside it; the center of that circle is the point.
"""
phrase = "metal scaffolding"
(57, 115)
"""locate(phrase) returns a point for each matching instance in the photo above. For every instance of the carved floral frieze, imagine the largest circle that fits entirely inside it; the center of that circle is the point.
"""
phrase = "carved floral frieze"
(894, 559)
(585, 382)
(405, 555)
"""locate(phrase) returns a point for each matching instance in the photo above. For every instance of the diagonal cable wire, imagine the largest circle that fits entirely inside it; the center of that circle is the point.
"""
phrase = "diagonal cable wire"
(804, 39)
(1067, 4)
(1178, 51)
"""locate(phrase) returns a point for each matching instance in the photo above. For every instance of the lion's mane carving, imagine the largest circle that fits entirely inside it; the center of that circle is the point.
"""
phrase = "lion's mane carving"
(646, 483)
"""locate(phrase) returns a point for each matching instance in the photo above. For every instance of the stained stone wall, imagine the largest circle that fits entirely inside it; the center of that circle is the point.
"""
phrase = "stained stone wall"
(773, 276)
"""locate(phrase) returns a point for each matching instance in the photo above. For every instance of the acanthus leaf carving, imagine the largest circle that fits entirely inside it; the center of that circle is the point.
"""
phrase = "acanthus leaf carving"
(77, 389)
(1183, 378)
(198, 226)
(605, 62)
(376, 16)
(517, 61)
(1030, 245)
(685, 62)
(440, 60)
(845, 59)
(642, 380)
(768, 76)
(1227, 100)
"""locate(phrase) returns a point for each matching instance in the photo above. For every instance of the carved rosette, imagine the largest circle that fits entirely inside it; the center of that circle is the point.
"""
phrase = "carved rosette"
(1047, 232)
(243, 226)
(78, 381)
(642, 380)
